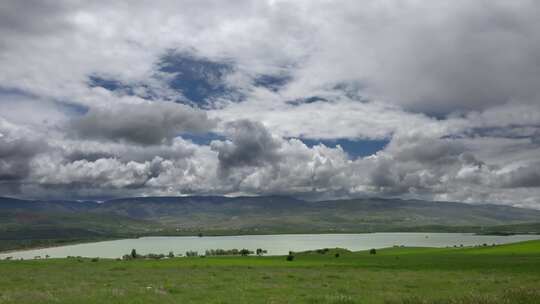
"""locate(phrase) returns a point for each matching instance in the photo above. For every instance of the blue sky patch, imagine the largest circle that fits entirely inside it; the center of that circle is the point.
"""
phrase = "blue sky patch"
(202, 138)
(9, 91)
(198, 79)
(311, 99)
(106, 83)
(354, 147)
(72, 108)
(272, 82)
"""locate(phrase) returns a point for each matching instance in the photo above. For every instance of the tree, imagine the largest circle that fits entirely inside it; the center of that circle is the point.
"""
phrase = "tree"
(245, 252)
(192, 253)
(134, 253)
(290, 257)
(171, 255)
(261, 251)
(373, 251)
(336, 255)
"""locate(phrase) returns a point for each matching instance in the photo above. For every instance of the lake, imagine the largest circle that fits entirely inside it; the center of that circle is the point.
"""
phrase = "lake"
(274, 244)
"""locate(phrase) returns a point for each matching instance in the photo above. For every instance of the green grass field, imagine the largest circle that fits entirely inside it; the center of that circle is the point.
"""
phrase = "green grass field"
(508, 274)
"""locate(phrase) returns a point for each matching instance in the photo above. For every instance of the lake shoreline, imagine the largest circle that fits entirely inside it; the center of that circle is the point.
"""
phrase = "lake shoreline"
(26, 244)
(62, 243)
(276, 244)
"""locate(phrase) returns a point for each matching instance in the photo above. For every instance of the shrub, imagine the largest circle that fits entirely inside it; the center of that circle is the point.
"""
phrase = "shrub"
(192, 253)
(245, 252)
(154, 256)
(290, 257)
(373, 251)
(336, 255)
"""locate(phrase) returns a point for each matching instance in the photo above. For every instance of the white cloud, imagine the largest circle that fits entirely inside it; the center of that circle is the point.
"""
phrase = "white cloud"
(376, 70)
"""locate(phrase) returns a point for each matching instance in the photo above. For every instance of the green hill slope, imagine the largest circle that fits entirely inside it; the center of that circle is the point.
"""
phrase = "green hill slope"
(39, 222)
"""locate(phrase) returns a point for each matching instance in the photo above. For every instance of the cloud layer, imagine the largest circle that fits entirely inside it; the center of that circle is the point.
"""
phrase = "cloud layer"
(103, 100)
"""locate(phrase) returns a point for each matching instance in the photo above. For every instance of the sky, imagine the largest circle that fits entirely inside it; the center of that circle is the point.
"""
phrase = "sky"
(435, 100)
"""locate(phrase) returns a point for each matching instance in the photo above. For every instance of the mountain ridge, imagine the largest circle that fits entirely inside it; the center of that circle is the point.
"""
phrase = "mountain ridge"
(32, 222)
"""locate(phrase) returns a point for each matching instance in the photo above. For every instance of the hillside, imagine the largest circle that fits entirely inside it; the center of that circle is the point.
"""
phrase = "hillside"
(284, 213)
(130, 217)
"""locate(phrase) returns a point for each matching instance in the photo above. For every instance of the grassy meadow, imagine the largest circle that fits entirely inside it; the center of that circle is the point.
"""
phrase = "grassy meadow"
(508, 274)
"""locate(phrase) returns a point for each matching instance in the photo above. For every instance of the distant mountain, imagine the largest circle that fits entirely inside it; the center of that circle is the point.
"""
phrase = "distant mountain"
(283, 214)
(39, 219)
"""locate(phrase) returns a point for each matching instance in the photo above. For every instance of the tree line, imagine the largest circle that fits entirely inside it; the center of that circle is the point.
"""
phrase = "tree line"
(191, 253)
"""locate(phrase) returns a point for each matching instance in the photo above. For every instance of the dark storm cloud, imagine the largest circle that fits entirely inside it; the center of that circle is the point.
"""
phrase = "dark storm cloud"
(384, 175)
(522, 177)
(15, 155)
(250, 145)
(146, 124)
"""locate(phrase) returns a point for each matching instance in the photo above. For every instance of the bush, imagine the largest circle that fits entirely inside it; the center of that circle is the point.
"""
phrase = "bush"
(245, 252)
(290, 257)
(336, 255)
(94, 260)
(154, 256)
(192, 253)
(323, 251)
(373, 251)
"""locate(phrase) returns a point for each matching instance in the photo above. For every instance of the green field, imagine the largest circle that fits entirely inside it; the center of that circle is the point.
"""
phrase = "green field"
(500, 274)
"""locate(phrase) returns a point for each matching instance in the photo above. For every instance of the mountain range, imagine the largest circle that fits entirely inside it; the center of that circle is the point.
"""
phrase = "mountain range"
(29, 221)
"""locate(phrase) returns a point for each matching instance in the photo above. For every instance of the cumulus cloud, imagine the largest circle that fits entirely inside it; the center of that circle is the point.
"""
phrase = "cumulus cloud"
(146, 123)
(522, 177)
(433, 56)
(116, 169)
(15, 155)
(452, 86)
(18, 146)
(250, 144)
